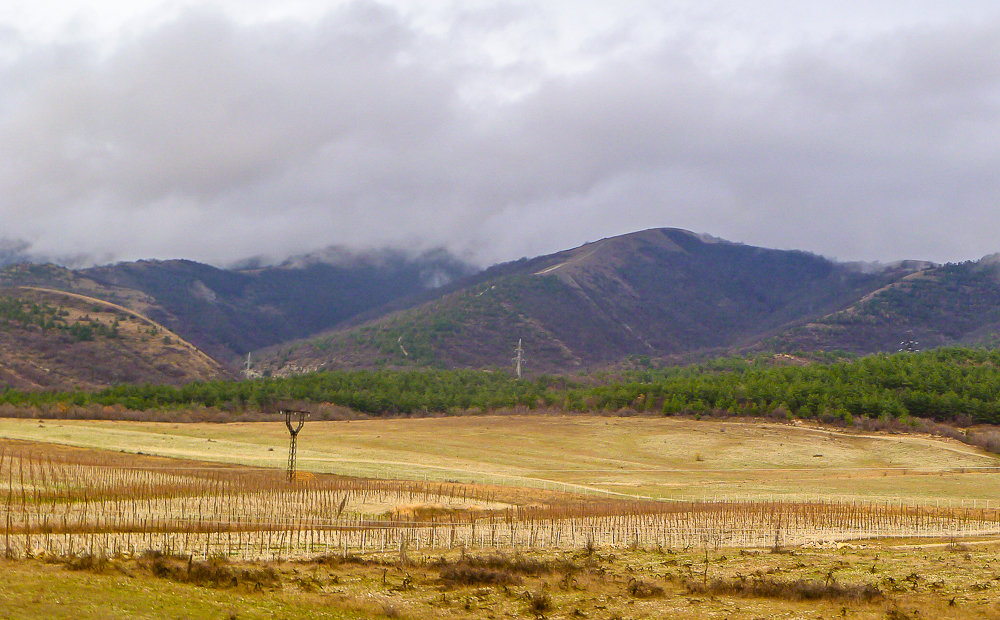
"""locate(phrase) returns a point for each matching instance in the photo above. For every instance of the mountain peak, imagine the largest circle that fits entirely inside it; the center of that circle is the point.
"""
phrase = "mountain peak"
(658, 292)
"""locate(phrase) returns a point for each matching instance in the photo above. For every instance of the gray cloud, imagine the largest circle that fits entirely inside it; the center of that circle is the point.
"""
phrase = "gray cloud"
(214, 140)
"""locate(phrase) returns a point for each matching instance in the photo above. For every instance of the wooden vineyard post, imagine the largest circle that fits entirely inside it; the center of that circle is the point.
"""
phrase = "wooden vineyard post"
(293, 431)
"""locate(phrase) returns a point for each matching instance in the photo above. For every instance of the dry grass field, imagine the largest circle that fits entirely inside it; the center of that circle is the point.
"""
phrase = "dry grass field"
(493, 517)
(648, 457)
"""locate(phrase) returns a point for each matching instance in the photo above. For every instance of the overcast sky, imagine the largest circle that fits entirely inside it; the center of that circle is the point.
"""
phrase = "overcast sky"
(861, 129)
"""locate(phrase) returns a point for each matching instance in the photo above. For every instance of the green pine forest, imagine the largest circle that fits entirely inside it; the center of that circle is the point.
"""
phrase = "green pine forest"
(955, 385)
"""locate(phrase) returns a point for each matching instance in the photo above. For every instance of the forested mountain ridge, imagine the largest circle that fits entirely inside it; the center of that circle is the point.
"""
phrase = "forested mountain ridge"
(659, 293)
(228, 312)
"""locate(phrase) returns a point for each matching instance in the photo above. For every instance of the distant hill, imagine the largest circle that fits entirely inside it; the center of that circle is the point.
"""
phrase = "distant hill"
(55, 340)
(957, 303)
(661, 293)
(228, 312)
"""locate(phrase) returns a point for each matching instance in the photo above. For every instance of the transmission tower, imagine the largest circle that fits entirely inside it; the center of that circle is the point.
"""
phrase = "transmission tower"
(248, 370)
(518, 358)
(293, 431)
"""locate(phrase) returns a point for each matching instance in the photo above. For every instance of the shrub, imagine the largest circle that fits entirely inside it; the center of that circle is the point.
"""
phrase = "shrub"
(799, 590)
(465, 575)
(641, 589)
(214, 572)
(497, 569)
(539, 603)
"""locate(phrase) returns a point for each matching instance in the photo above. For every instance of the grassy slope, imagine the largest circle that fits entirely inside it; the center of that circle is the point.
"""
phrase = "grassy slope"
(656, 457)
(36, 590)
(943, 581)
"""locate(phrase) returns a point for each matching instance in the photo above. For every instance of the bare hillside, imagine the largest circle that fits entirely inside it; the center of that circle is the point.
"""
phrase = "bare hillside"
(57, 340)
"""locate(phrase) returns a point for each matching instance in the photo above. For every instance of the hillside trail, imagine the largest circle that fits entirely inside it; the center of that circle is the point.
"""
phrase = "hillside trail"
(207, 358)
(937, 442)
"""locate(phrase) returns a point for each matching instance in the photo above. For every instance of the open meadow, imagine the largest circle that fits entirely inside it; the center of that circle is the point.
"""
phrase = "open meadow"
(491, 516)
(638, 457)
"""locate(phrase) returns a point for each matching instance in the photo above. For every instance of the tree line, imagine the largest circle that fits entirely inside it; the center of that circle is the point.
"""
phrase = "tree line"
(960, 385)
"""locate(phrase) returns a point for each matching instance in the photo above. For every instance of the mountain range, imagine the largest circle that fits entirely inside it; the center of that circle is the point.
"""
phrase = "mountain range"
(654, 296)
